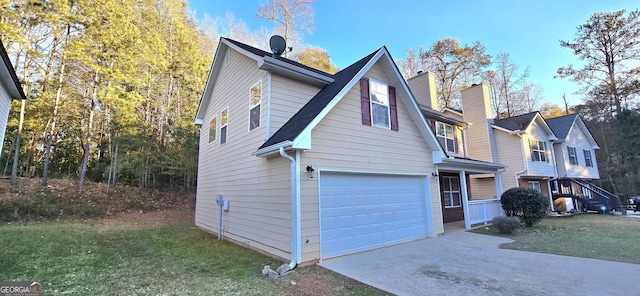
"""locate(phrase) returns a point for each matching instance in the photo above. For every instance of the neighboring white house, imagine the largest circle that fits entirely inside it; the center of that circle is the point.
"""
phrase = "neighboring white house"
(10, 89)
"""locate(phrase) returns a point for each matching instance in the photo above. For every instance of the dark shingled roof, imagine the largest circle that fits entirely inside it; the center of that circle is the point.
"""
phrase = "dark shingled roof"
(292, 128)
(515, 123)
(561, 125)
(263, 53)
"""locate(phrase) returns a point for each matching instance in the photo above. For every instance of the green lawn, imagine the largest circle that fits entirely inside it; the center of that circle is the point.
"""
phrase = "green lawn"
(172, 259)
(606, 237)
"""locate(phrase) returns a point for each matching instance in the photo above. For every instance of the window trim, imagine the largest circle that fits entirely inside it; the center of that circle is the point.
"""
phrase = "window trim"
(258, 105)
(453, 136)
(530, 183)
(535, 150)
(448, 194)
(371, 102)
(587, 160)
(224, 127)
(213, 120)
(573, 155)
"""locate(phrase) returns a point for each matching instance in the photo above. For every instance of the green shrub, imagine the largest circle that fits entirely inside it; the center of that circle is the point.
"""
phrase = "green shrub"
(506, 225)
(526, 203)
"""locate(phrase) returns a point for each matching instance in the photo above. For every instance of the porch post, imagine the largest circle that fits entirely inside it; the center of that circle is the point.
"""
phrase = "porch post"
(465, 199)
(550, 196)
(498, 178)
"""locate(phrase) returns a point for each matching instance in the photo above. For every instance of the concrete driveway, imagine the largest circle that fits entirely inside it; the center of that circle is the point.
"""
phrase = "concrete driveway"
(463, 263)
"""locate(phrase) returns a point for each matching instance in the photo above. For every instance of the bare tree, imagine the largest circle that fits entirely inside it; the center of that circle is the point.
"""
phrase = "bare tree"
(609, 45)
(291, 18)
(455, 67)
(510, 93)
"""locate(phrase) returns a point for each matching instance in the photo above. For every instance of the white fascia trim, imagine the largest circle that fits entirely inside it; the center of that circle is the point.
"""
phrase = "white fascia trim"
(472, 163)
(502, 129)
(306, 133)
(270, 64)
(221, 51)
(273, 149)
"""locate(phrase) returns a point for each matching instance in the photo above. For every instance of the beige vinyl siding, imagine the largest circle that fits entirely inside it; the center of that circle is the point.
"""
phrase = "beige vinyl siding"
(578, 139)
(258, 189)
(482, 188)
(341, 142)
(510, 153)
(538, 168)
(477, 112)
(5, 106)
(287, 98)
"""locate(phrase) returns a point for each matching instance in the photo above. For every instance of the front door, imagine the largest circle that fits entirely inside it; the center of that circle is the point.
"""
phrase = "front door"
(451, 197)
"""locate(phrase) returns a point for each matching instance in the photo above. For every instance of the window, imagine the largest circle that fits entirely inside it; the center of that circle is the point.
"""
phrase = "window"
(535, 185)
(212, 129)
(446, 136)
(254, 105)
(538, 150)
(587, 158)
(378, 103)
(451, 192)
(573, 157)
(223, 125)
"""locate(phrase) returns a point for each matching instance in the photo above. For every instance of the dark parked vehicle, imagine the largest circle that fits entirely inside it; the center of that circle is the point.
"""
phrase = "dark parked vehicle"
(597, 206)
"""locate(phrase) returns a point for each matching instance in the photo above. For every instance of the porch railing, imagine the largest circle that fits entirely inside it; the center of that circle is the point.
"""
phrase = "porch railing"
(483, 211)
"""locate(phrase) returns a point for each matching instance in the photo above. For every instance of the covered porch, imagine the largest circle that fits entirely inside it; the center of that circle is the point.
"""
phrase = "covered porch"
(464, 204)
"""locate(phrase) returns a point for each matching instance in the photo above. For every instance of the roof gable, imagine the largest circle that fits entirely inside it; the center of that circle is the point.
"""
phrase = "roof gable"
(8, 77)
(563, 125)
(522, 123)
(296, 131)
(265, 61)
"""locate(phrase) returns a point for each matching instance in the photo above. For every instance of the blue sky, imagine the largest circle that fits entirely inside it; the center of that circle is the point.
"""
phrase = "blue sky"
(529, 31)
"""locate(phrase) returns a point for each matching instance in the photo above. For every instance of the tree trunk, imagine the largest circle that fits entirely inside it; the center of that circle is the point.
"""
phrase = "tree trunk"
(16, 154)
(54, 117)
(87, 146)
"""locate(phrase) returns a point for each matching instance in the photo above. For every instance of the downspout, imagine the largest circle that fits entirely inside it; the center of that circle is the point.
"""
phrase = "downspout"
(268, 126)
(294, 206)
(524, 158)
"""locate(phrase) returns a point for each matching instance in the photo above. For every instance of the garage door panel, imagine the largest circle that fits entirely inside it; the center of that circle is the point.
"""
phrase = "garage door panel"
(365, 211)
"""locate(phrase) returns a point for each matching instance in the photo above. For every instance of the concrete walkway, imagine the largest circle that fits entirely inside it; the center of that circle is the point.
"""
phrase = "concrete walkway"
(463, 263)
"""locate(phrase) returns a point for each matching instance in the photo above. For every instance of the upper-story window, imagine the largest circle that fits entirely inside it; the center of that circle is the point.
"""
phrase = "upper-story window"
(224, 119)
(446, 136)
(573, 157)
(254, 105)
(538, 150)
(378, 104)
(212, 129)
(587, 158)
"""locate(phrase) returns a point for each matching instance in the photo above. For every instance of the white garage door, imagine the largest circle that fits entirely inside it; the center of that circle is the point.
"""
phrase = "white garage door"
(360, 212)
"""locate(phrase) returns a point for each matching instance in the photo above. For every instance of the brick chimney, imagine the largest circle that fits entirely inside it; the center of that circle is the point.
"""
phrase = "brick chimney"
(476, 107)
(423, 88)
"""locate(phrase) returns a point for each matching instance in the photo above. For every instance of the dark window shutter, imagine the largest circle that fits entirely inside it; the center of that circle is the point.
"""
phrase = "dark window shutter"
(365, 101)
(393, 108)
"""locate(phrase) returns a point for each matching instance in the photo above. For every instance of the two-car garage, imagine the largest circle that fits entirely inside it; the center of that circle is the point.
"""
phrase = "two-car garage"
(362, 211)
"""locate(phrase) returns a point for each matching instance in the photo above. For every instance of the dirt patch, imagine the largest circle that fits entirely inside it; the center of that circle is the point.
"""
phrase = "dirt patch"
(146, 219)
(315, 280)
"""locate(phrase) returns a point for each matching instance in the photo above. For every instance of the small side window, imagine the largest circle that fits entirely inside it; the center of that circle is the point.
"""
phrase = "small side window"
(224, 119)
(254, 105)
(212, 129)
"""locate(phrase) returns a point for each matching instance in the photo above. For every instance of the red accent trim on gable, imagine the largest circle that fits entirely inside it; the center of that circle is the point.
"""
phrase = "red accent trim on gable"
(393, 108)
(365, 101)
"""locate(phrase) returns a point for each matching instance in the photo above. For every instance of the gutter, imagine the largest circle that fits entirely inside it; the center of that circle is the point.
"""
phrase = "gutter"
(271, 64)
(295, 207)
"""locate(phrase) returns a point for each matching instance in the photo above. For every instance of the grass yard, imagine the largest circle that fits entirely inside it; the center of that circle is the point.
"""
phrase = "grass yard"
(606, 237)
(135, 256)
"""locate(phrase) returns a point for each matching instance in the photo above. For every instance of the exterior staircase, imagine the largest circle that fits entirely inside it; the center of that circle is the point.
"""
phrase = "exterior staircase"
(584, 192)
